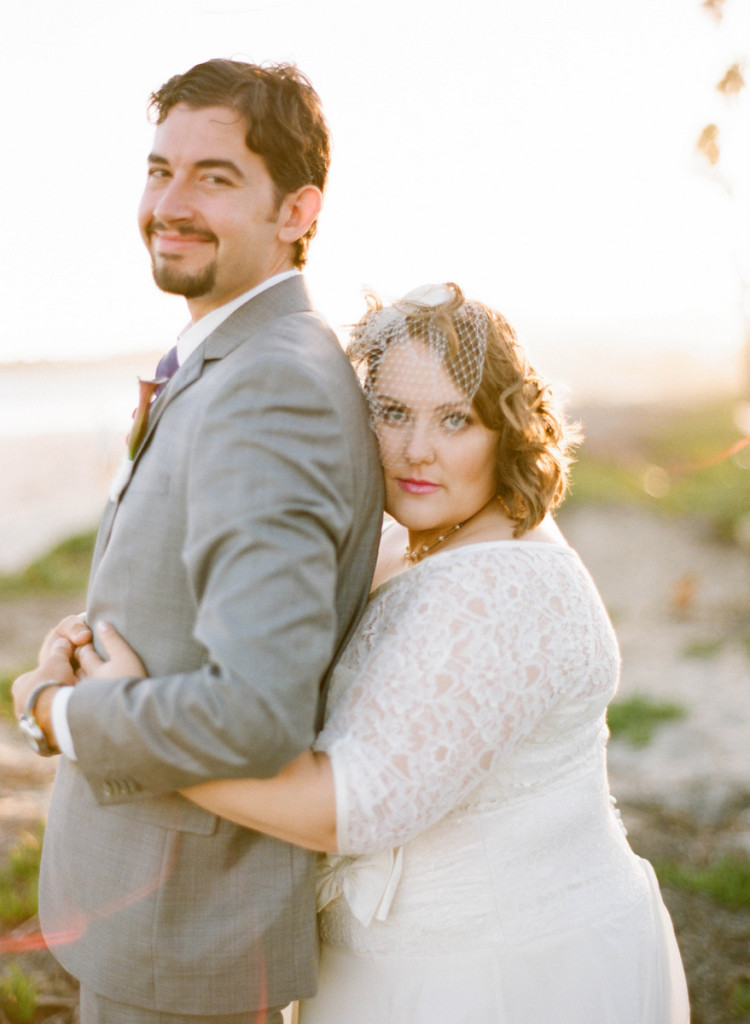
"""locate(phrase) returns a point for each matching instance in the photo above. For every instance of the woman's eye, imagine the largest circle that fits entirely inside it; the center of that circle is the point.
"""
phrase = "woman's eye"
(392, 414)
(455, 420)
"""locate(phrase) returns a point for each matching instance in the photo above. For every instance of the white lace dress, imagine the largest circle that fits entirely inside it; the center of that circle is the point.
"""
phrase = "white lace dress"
(466, 727)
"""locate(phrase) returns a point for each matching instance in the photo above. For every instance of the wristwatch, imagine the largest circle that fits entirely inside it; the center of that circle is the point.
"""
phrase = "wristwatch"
(29, 726)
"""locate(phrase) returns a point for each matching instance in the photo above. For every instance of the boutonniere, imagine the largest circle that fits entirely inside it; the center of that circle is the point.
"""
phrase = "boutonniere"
(146, 392)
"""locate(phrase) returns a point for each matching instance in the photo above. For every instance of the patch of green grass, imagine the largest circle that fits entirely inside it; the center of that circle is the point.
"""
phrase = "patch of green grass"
(702, 649)
(6, 703)
(726, 880)
(19, 876)
(636, 718)
(696, 433)
(595, 480)
(739, 998)
(64, 570)
(6, 699)
(719, 494)
(684, 452)
(18, 995)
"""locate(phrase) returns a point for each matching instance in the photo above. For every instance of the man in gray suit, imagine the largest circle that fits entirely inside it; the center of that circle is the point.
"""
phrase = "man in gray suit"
(235, 557)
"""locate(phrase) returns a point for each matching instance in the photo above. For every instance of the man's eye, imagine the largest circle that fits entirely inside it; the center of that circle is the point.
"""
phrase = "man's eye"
(158, 172)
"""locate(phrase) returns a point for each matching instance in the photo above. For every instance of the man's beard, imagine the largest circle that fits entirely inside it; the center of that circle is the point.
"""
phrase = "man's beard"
(167, 274)
(176, 282)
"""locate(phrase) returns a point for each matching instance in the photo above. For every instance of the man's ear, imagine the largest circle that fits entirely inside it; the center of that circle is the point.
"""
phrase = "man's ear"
(298, 211)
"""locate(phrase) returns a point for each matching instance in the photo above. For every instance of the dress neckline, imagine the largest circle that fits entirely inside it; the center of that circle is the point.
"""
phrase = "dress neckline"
(452, 552)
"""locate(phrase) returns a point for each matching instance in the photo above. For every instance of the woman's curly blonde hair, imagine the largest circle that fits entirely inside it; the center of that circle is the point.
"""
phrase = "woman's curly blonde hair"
(535, 440)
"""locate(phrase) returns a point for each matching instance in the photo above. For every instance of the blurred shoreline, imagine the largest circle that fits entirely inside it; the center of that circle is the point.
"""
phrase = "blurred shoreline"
(62, 434)
(63, 427)
(54, 486)
(45, 398)
(586, 368)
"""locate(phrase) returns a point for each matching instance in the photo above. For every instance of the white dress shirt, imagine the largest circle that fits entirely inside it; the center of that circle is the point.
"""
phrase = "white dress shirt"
(187, 342)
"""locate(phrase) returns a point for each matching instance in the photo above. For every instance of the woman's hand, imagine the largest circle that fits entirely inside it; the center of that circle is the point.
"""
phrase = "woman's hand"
(121, 658)
(56, 664)
(72, 628)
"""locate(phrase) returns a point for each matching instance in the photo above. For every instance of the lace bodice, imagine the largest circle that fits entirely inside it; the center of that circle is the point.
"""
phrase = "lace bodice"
(482, 670)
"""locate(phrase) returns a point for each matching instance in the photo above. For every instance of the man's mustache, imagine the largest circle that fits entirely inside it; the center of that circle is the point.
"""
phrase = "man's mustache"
(181, 229)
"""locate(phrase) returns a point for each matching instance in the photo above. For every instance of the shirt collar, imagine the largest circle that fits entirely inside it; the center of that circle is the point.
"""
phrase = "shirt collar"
(191, 337)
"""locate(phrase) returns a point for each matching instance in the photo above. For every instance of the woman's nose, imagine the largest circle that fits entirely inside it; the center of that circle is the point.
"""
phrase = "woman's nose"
(420, 446)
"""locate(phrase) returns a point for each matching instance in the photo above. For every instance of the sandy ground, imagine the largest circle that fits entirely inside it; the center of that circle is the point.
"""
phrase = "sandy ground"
(670, 588)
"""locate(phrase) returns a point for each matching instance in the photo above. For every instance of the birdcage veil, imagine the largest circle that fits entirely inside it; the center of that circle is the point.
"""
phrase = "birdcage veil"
(435, 315)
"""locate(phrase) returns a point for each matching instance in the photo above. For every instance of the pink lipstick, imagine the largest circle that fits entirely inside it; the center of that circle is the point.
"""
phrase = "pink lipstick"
(412, 486)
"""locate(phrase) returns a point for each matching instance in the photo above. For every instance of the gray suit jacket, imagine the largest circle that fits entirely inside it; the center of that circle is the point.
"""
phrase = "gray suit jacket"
(236, 562)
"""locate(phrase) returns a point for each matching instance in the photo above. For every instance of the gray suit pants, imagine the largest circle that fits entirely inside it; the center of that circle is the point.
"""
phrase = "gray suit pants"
(95, 1009)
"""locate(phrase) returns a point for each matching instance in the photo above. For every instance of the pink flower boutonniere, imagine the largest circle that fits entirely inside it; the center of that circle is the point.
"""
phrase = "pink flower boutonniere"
(146, 392)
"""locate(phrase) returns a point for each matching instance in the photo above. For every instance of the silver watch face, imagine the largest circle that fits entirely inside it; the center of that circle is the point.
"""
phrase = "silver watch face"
(34, 735)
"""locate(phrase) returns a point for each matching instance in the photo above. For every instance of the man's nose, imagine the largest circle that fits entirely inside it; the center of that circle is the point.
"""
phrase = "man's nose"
(174, 203)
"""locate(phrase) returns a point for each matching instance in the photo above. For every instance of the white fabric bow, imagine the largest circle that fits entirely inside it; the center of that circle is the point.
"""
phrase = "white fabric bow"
(368, 883)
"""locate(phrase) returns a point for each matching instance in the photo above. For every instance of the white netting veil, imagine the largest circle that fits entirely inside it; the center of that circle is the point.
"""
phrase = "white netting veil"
(433, 327)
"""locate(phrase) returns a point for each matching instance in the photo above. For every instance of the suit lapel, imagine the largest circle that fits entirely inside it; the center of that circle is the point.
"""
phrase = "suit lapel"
(283, 299)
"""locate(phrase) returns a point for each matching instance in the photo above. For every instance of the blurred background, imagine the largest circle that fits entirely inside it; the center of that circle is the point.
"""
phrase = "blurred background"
(582, 166)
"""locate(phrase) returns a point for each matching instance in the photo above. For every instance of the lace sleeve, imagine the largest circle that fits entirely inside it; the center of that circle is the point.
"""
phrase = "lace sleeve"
(455, 667)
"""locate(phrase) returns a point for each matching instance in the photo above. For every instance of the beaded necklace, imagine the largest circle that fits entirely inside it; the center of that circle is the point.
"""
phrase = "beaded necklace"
(414, 555)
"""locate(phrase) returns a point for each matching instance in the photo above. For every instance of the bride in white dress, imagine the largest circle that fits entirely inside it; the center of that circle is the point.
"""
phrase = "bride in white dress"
(480, 871)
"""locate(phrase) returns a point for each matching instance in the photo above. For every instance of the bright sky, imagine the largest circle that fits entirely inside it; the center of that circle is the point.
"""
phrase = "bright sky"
(539, 153)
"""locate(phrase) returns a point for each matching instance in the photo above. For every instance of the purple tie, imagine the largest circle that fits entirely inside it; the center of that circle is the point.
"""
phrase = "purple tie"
(167, 366)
